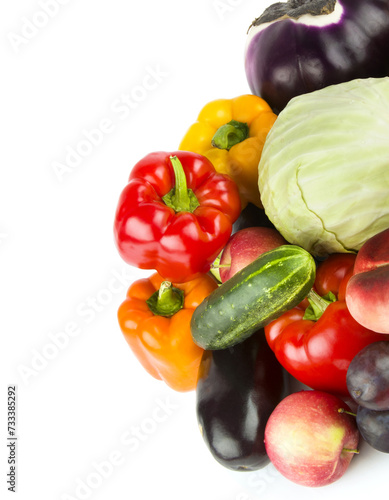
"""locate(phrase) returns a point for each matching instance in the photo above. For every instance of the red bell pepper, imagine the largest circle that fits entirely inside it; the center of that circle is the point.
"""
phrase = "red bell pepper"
(316, 341)
(175, 215)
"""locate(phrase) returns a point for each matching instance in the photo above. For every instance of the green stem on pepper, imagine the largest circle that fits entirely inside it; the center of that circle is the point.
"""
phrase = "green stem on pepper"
(230, 134)
(317, 304)
(180, 198)
(166, 301)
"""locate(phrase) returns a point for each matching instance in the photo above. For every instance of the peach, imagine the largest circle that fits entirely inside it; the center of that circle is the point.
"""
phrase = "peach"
(367, 292)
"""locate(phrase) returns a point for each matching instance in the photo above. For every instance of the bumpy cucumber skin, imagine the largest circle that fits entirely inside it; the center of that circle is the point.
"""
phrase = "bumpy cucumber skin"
(275, 282)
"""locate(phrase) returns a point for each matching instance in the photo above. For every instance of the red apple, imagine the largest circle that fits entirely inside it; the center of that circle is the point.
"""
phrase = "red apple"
(308, 440)
(367, 292)
(245, 246)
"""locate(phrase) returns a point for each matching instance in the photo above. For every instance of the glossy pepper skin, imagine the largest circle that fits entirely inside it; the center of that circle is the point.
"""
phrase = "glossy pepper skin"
(233, 148)
(318, 351)
(237, 390)
(175, 215)
(163, 343)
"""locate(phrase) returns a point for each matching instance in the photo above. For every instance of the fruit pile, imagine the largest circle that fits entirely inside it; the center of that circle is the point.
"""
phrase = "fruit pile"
(267, 268)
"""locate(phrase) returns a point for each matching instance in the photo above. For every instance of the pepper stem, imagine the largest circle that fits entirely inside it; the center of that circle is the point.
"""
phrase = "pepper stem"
(166, 301)
(180, 198)
(230, 134)
(317, 304)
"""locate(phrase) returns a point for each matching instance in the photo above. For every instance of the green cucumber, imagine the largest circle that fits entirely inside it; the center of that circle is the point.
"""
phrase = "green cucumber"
(275, 282)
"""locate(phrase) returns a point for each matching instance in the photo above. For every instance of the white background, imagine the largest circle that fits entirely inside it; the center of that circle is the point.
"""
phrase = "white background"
(80, 403)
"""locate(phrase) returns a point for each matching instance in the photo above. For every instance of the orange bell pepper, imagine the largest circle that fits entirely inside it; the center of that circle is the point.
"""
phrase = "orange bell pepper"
(155, 321)
(231, 133)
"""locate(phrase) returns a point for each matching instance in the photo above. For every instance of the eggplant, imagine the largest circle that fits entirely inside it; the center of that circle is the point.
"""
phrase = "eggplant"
(237, 390)
(300, 46)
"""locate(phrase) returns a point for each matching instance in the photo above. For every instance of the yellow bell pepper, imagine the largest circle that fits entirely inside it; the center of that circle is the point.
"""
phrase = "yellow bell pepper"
(231, 134)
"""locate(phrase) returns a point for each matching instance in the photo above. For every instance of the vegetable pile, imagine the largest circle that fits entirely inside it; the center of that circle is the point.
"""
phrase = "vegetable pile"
(267, 233)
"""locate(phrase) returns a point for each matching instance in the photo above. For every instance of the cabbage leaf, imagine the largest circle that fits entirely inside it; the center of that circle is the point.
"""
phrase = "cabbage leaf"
(324, 169)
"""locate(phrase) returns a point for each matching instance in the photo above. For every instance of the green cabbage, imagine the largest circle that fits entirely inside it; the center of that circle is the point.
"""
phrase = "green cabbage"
(324, 170)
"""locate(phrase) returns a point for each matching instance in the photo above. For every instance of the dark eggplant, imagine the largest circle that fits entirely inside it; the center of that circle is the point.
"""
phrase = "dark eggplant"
(237, 390)
(299, 46)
